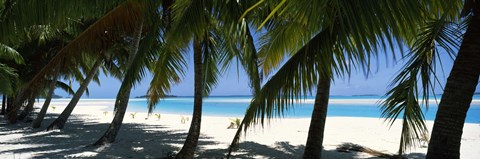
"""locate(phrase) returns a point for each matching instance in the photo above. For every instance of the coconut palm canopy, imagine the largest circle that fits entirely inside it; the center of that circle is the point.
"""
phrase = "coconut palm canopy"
(302, 47)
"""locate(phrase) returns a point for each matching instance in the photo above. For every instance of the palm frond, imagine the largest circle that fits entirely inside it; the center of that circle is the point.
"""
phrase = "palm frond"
(95, 38)
(188, 12)
(8, 53)
(297, 77)
(168, 70)
(413, 85)
(65, 87)
(21, 14)
(8, 76)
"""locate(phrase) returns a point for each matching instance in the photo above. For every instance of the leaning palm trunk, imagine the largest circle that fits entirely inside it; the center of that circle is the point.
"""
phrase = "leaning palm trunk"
(457, 96)
(62, 119)
(27, 110)
(313, 148)
(41, 115)
(121, 107)
(191, 142)
(123, 95)
(4, 100)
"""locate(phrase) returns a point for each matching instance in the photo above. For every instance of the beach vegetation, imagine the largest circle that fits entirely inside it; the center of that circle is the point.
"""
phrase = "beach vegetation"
(183, 119)
(234, 123)
(133, 115)
(158, 115)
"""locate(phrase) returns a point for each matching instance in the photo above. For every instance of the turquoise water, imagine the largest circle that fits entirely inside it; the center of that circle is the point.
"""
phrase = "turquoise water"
(346, 106)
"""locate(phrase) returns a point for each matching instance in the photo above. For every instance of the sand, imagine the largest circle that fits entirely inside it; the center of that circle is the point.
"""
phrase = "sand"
(157, 138)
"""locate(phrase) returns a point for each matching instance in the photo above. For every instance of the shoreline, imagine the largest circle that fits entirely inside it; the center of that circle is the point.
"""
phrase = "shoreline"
(107, 105)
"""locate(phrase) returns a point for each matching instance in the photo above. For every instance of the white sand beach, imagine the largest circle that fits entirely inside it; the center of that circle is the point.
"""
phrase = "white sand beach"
(156, 138)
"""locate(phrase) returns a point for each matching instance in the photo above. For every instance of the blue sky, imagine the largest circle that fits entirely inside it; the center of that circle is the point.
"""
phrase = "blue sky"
(235, 82)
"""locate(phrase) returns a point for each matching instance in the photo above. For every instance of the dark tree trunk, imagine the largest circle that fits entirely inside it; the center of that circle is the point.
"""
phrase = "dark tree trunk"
(27, 110)
(457, 96)
(191, 142)
(4, 100)
(121, 108)
(313, 148)
(38, 121)
(9, 105)
(13, 105)
(62, 119)
(123, 94)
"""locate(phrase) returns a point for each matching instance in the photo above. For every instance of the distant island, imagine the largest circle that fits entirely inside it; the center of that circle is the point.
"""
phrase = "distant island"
(166, 96)
(56, 96)
(476, 93)
(357, 95)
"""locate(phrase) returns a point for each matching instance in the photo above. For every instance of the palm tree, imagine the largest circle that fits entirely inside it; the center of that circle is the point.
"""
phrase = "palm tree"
(36, 45)
(51, 88)
(59, 123)
(123, 95)
(215, 31)
(448, 127)
(95, 38)
(15, 18)
(147, 52)
(342, 38)
(446, 135)
(416, 75)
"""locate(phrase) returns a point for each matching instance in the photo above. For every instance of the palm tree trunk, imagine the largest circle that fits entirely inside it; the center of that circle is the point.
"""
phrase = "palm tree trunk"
(191, 142)
(4, 100)
(13, 106)
(38, 121)
(313, 148)
(27, 110)
(9, 105)
(121, 108)
(123, 95)
(457, 96)
(62, 119)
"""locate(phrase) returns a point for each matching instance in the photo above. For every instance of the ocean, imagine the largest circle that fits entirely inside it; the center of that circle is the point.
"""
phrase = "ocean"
(341, 106)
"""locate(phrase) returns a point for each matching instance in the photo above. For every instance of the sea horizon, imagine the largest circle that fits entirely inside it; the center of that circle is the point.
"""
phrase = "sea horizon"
(235, 106)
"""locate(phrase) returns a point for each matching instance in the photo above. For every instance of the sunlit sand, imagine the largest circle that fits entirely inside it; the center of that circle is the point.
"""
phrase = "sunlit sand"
(153, 137)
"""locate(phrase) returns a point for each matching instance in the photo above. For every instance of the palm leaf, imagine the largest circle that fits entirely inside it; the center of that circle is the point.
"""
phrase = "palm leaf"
(8, 53)
(95, 38)
(413, 85)
(8, 76)
(65, 87)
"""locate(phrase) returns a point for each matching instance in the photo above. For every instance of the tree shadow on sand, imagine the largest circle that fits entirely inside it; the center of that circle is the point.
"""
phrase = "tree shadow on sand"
(135, 140)
(284, 150)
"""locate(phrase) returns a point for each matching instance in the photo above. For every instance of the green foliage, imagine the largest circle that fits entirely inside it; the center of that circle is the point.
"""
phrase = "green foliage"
(236, 122)
(8, 76)
(53, 107)
(158, 116)
(416, 82)
(327, 38)
(133, 115)
(8, 53)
